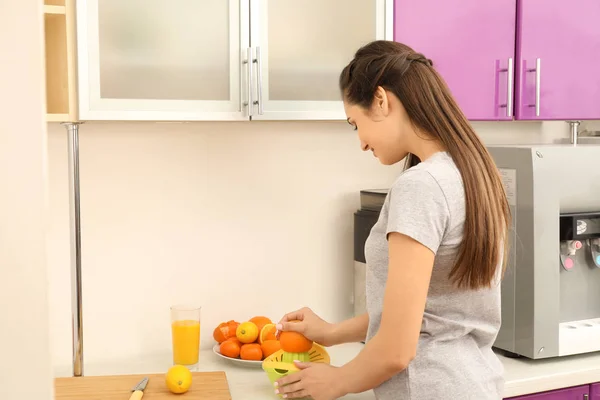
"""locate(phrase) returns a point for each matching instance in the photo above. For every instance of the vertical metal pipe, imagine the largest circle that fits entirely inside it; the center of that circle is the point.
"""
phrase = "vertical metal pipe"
(75, 218)
(574, 125)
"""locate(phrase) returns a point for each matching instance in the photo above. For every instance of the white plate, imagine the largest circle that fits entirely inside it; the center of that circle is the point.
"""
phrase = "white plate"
(238, 361)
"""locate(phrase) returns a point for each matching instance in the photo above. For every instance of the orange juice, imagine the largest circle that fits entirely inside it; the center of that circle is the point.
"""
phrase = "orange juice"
(186, 341)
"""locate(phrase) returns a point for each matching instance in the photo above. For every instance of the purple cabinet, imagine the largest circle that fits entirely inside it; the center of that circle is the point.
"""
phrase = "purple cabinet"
(471, 43)
(558, 59)
(510, 59)
(573, 393)
(595, 391)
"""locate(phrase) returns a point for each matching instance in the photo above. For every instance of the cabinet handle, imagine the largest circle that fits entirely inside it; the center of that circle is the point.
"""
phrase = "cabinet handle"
(509, 87)
(586, 396)
(538, 64)
(250, 87)
(258, 61)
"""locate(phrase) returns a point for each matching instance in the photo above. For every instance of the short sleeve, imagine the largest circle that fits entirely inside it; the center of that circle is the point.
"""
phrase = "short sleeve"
(418, 209)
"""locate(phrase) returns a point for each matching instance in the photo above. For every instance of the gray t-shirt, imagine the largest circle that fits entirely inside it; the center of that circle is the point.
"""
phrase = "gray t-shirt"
(454, 358)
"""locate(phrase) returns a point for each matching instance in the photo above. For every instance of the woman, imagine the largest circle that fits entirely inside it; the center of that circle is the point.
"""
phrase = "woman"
(434, 257)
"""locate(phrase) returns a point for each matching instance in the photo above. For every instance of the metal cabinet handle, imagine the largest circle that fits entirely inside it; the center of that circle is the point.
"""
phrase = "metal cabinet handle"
(509, 87)
(586, 396)
(258, 61)
(250, 87)
(537, 70)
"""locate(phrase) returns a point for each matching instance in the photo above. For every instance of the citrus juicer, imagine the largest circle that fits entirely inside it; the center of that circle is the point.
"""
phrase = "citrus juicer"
(281, 363)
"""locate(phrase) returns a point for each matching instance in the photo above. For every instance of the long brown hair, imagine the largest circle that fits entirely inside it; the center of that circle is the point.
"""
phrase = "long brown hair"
(432, 110)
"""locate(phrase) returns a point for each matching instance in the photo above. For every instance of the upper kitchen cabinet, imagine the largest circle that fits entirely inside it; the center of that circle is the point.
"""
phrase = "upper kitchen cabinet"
(299, 49)
(471, 44)
(60, 60)
(510, 59)
(220, 59)
(558, 59)
(162, 59)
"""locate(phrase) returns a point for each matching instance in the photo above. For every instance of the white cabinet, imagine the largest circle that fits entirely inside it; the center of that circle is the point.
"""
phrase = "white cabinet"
(301, 48)
(161, 59)
(187, 60)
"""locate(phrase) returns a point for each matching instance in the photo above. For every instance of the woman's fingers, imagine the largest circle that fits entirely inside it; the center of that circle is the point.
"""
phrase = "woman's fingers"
(290, 388)
(291, 326)
(297, 315)
(284, 324)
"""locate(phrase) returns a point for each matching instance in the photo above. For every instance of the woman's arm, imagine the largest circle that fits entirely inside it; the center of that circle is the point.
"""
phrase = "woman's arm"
(349, 331)
(306, 322)
(395, 344)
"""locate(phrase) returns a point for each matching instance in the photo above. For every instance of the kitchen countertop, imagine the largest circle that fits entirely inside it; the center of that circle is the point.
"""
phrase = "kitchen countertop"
(523, 376)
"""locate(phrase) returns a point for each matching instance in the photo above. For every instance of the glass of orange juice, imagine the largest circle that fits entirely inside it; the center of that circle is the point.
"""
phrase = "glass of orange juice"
(185, 333)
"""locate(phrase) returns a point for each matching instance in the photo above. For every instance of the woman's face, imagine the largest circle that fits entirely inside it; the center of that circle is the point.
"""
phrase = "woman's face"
(384, 128)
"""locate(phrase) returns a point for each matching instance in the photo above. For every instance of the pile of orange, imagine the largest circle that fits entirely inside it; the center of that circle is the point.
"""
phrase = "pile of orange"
(255, 339)
(249, 340)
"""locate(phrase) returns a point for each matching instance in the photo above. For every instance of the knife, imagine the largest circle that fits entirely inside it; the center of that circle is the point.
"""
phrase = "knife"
(138, 390)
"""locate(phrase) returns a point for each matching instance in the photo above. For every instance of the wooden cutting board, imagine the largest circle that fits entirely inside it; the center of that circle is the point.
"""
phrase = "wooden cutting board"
(205, 386)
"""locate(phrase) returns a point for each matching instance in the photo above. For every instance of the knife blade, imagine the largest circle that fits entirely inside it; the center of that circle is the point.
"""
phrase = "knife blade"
(138, 390)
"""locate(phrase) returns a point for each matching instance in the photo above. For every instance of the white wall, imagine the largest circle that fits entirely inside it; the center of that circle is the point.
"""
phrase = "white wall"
(25, 370)
(243, 218)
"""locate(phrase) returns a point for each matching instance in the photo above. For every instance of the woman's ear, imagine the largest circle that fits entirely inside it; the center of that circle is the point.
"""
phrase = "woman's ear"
(380, 106)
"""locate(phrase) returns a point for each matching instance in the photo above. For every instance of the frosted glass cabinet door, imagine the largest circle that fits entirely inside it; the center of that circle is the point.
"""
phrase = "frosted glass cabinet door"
(162, 59)
(300, 48)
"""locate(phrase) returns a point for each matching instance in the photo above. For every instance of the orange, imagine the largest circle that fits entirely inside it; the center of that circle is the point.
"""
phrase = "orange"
(230, 348)
(235, 340)
(294, 342)
(251, 351)
(247, 332)
(267, 333)
(269, 347)
(224, 331)
(260, 321)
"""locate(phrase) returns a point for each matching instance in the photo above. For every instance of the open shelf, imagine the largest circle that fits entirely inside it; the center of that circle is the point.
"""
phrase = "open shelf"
(54, 3)
(59, 36)
(55, 9)
(57, 82)
(57, 118)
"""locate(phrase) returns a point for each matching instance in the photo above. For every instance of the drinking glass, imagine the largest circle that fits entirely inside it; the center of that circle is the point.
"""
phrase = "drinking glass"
(185, 333)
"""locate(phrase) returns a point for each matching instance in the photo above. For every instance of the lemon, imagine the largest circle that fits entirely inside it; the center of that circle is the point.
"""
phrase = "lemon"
(179, 379)
(247, 332)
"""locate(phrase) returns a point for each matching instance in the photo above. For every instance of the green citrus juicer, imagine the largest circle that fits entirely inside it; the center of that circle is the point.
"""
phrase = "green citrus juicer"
(281, 363)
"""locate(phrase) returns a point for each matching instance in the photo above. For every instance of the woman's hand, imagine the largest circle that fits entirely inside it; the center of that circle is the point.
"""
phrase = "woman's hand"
(317, 380)
(309, 324)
